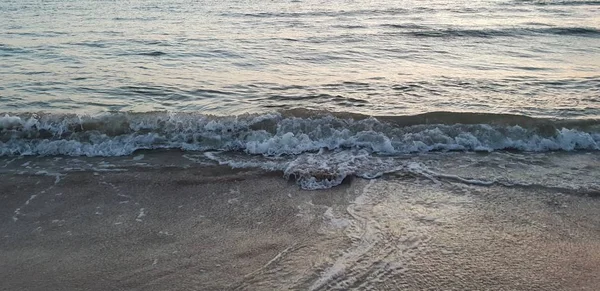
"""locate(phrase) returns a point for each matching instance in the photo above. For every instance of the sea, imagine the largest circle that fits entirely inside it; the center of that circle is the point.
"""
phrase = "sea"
(321, 90)
(299, 144)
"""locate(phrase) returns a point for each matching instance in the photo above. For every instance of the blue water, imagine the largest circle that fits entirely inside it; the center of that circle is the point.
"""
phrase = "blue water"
(535, 58)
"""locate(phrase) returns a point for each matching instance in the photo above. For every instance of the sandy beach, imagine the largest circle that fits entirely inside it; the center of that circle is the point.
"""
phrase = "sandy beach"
(213, 228)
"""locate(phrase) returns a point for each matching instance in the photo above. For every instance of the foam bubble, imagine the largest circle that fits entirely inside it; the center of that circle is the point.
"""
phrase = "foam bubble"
(313, 171)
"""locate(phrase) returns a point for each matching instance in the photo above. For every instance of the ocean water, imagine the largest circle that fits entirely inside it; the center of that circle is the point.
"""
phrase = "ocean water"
(536, 58)
(318, 89)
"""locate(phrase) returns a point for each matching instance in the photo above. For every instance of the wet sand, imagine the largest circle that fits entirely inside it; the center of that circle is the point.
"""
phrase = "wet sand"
(217, 229)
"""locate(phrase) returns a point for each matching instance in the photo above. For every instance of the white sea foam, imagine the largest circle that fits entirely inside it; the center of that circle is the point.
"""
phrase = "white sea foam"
(268, 135)
(317, 152)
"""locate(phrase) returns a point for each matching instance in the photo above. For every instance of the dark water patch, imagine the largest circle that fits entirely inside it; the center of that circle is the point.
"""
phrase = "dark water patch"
(92, 44)
(450, 118)
(354, 84)
(538, 24)
(147, 90)
(211, 53)
(451, 33)
(50, 32)
(468, 10)
(36, 73)
(151, 42)
(407, 87)
(530, 68)
(106, 32)
(210, 92)
(289, 87)
(592, 99)
(348, 100)
(578, 31)
(43, 84)
(579, 83)
(403, 26)
(509, 32)
(7, 50)
(39, 34)
(349, 26)
(151, 54)
(150, 18)
(560, 2)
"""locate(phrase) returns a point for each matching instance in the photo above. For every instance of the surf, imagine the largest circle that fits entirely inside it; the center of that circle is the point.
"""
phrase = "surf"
(290, 132)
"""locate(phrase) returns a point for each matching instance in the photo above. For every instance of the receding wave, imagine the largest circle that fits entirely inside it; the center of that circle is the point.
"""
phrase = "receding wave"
(289, 132)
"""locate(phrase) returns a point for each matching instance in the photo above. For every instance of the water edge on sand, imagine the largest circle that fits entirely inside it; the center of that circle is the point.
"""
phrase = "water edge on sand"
(147, 225)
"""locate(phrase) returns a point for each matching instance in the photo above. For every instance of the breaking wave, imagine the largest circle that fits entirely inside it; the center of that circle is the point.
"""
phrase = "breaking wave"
(289, 133)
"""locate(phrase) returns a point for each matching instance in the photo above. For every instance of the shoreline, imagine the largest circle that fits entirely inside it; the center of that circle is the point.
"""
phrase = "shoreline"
(176, 229)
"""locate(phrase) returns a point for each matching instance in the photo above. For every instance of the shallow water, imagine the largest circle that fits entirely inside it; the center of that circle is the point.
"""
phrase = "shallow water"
(537, 58)
(172, 220)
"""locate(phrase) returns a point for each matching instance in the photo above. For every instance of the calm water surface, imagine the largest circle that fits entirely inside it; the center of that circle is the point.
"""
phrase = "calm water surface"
(538, 58)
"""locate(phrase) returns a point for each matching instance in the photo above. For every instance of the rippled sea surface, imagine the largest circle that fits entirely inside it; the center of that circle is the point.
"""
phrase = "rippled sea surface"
(536, 58)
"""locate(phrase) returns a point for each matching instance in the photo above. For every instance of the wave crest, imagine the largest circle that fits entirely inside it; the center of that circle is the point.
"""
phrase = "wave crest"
(289, 133)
